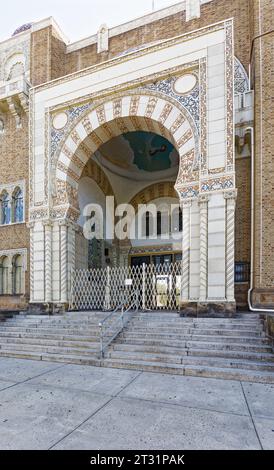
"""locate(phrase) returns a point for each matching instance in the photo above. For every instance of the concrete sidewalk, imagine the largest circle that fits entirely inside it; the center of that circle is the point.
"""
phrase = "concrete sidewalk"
(52, 406)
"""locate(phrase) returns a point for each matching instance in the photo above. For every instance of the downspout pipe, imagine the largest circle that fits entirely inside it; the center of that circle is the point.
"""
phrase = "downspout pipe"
(251, 287)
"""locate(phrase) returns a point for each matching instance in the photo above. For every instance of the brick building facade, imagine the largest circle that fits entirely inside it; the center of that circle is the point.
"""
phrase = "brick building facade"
(38, 59)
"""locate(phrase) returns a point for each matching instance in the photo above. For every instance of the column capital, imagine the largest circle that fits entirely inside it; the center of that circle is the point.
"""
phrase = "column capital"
(47, 223)
(63, 223)
(203, 199)
(232, 194)
(185, 203)
(31, 225)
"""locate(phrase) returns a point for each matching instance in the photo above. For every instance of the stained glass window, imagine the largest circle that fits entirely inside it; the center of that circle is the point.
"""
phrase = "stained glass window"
(17, 275)
(5, 209)
(18, 206)
(4, 274)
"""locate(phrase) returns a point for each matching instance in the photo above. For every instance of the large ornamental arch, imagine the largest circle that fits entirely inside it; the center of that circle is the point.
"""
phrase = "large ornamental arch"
(183, 89)
(130, 112)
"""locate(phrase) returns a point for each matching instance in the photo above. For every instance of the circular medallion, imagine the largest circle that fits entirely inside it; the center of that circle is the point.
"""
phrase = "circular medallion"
(185, 84)
(60, 120)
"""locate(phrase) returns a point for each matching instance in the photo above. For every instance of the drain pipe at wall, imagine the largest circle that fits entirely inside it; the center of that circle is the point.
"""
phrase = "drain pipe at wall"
(253, 309)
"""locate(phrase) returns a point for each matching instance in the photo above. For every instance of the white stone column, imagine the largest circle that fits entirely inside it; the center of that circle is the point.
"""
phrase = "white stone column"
(31, 261)
(48, 260)
(9, 276)
(63, 261)
(230, 198)
(186, 212)
(203, 203)
(71, 254)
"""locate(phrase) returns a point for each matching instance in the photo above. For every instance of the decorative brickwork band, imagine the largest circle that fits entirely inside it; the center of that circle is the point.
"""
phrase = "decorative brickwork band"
(230, 244)
(186, 209)
(203, 203)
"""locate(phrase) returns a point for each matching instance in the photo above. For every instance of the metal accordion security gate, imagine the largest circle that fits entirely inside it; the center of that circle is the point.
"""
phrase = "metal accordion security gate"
(104, 289)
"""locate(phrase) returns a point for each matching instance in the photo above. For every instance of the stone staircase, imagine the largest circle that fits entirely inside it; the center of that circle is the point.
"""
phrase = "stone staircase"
(152, 341)
(69, 338)
(207, 347)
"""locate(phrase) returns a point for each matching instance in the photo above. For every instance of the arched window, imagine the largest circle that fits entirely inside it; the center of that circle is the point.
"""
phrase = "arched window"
(163, 220)
(17, 70)
(17, 272)
(18, 205)
(2, 126)
(159, 223)
(177, 220)
(5, 208)
(149, 225)
(4, 275)
(180, 220)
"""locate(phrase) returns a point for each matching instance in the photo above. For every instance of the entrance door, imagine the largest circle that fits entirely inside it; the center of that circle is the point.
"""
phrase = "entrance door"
(163, 281)
(140, 260)
(158, 280)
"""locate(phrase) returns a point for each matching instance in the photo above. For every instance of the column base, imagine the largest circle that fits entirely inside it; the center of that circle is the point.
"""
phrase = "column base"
(263, 298)
(47, 308)
(208, 309)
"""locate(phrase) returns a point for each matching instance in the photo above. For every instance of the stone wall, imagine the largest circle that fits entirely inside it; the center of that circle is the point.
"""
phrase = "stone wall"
(269, 327)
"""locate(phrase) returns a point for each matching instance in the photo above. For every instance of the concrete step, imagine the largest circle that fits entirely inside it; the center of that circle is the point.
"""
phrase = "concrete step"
(198, 331)
(66, 359)
(37, 317)
(196, 371)
(59, 329)
(230, 374)
(189, 337)
(62, 321)
(192, 360)
(52, 336)
(161, 316)
(196, 323)
(48, 342)
(51, 349)
(197, 344)
(40, 330)
(179, 351)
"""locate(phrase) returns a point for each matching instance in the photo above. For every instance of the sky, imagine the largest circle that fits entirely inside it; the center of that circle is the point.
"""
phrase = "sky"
(76, 18)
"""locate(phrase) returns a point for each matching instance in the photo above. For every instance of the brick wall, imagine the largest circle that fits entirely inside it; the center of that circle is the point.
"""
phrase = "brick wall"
(243, 214)
(263, 79)
(242, 224)
(49, 61)
(171, 26)
(49, 58)
(14, 164)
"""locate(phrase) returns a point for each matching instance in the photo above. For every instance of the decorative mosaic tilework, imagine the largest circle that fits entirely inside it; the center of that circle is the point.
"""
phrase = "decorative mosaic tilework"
(203, 112)
(190, 192)
(226, 182)
(57, 135)
(241, 84)
(190, 101)
(229, 62)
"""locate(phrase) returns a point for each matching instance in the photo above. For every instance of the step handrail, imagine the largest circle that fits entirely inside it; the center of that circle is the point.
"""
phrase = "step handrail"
(120, 320)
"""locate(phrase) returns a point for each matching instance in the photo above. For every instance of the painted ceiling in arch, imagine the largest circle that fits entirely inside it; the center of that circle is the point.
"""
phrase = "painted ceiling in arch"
(140, 153)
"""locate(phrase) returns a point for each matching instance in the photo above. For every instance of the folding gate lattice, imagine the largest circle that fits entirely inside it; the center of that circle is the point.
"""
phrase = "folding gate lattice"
(158, 287)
